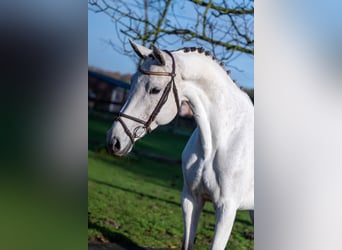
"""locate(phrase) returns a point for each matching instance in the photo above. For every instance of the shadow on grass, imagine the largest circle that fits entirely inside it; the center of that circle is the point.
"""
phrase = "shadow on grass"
(244, 221)
(169, 173)
(240, 220)
(134, 192)
(120, 240)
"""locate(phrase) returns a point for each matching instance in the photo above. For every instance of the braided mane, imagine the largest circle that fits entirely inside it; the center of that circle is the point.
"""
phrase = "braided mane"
(201, 50)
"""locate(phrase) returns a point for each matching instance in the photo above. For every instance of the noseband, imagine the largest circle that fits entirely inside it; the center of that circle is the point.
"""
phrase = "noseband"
(146, 125)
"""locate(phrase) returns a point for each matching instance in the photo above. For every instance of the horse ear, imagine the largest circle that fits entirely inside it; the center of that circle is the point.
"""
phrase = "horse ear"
(140, 50)
(157, 54)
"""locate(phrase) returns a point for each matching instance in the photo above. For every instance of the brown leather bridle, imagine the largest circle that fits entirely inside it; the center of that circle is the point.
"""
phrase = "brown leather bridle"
(146, 124)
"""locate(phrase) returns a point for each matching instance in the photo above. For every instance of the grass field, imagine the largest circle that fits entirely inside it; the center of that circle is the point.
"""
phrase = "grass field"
(135, 201)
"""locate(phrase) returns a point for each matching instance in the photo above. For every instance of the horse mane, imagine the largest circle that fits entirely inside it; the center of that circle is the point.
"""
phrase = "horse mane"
(201, 50)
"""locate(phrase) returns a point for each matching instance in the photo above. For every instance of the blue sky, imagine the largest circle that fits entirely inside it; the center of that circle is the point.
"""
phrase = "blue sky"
(102, 55)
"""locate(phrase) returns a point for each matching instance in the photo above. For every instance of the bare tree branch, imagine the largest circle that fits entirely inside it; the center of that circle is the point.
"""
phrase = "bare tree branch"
(224, 28)
(225, 10)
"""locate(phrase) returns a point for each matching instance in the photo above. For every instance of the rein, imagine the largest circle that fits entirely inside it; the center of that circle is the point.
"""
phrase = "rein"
(138, 131)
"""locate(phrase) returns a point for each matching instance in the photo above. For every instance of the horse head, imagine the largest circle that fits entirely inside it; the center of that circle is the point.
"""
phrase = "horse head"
(148, 104)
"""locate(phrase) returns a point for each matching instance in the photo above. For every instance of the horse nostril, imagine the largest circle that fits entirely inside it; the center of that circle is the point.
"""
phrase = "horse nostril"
(116, 144)
(113, 145)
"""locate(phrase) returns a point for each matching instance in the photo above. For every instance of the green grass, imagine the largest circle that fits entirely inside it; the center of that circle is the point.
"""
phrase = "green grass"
(159, 142)
(135, 201)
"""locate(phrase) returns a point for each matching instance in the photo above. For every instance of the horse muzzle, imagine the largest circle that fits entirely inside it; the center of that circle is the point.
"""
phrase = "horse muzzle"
(117, 145)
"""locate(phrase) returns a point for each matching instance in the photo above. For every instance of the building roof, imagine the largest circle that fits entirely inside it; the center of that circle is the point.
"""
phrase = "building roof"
(109, 80)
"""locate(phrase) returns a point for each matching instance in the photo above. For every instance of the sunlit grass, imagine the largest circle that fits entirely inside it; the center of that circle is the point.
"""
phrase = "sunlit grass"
(135, 201)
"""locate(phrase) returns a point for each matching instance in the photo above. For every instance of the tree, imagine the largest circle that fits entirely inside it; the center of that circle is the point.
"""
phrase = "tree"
(225, 28)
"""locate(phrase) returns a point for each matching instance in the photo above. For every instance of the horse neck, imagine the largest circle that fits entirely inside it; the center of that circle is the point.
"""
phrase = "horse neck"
(219, 106)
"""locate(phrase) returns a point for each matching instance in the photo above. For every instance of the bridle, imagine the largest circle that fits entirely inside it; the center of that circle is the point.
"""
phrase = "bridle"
(146, 125)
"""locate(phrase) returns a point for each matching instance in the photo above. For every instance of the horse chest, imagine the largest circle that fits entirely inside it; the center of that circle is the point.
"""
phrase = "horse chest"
(201, 179)
(200, 175)
(214, 178)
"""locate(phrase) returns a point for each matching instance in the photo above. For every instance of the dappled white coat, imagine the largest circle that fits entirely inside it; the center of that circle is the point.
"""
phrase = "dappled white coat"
(218, 160)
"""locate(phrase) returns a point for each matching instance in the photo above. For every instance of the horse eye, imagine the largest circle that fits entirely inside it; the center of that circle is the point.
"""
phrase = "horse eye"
(154, 91)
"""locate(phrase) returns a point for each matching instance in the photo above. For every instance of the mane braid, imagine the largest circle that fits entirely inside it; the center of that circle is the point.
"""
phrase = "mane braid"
(206, 53)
